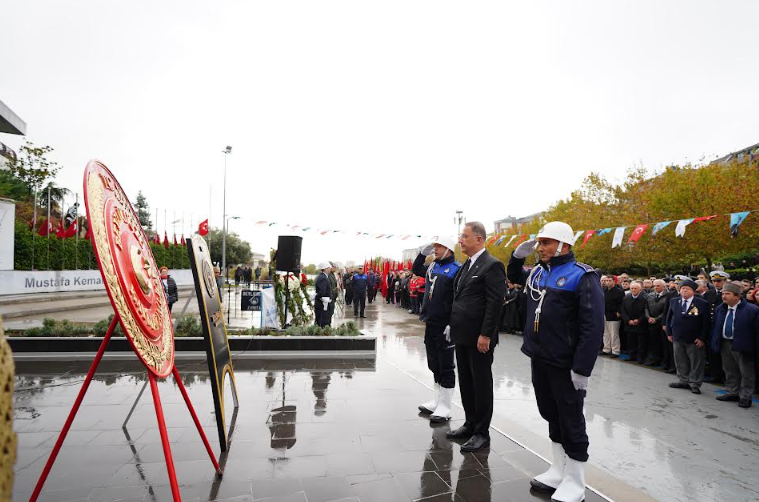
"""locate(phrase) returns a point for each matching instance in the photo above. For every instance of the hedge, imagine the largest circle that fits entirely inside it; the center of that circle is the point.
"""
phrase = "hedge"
(70, 254)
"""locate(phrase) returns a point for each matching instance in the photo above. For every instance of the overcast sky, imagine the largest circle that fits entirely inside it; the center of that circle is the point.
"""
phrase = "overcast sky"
(383, 117)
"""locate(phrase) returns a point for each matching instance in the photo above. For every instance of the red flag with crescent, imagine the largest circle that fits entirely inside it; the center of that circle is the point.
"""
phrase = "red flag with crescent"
(637, 233)
(203, 228)
(588, 235)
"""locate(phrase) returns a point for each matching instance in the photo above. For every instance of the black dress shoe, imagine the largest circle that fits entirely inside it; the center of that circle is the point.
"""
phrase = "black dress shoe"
(476, 443)
(671, 371)
(462, 432)
(744, 403)
(679, 385)
(696, 390)
(728, 397)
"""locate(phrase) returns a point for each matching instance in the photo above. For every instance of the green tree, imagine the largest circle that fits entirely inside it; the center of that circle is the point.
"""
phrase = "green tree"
(238, 250)
(33, 167)
(142, 209)
(56, 199)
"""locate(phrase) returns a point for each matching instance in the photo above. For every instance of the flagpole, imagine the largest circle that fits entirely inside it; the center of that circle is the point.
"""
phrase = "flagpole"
(34, 224)
(48, 227)
(210, 206)
(76, 234)
(156, 221)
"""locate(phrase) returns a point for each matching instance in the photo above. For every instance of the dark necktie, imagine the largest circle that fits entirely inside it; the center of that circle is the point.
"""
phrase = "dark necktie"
(729, 324)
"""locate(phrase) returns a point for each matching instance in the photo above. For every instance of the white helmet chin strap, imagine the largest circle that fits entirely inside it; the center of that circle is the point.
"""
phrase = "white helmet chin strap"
(559, 249)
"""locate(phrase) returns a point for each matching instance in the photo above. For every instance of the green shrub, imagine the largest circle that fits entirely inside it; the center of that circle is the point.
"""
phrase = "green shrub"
(188, 326)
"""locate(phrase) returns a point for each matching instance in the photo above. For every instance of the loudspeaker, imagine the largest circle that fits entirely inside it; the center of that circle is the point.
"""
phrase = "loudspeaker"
(288, 253)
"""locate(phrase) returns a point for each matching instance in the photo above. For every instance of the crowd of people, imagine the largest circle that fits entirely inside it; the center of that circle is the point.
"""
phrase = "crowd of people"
(244, 274)
(639, 328)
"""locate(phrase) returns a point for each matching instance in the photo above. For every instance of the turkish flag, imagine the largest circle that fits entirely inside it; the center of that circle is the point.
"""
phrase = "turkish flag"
(203, 227)
(637, 233)
(165, 240)
(183, 241)
(61, 232)
(704, 218)
(175, 240)
(88, 234)
(45, 228)
(157, 239)
(588, 235)
(385, 272)
(71, 230)
(521, 239)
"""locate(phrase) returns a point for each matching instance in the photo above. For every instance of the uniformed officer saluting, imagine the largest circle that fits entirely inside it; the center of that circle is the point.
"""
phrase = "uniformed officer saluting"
(563, 330)
(436, 314)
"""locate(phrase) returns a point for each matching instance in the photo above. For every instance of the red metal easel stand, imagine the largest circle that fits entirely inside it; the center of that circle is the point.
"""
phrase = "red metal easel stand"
(159, 415)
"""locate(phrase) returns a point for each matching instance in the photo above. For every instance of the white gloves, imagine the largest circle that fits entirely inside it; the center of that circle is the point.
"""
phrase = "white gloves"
(428, 249)
(447, 333)
(525, 249)
(580, 382)
(325, 301)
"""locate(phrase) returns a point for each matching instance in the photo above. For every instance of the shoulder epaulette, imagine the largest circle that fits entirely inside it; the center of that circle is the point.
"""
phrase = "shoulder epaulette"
(586, 268)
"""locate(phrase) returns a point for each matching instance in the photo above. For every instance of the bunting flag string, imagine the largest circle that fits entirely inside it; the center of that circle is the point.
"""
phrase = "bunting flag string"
(736, 219)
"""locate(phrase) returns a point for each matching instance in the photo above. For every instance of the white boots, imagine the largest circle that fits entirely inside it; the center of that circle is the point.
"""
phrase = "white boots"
(551, 479)
(443, 411)
(565, 479)
(429, 406)
(572, 487)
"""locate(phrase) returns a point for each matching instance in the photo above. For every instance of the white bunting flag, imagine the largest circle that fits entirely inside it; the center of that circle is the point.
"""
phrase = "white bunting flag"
(619, 233)
(680, 228)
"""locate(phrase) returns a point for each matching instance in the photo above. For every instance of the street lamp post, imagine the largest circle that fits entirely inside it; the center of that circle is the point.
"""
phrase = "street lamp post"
(226, 274)
(226, 152)
(458, 219)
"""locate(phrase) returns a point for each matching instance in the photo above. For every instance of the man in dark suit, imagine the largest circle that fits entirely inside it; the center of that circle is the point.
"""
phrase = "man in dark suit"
(688, 328)
(478, 298)
(323, 296)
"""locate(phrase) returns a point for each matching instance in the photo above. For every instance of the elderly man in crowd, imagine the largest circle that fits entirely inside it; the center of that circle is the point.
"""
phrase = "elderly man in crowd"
(688, 327)
(656, 304)
(735, 335)
(635, 321)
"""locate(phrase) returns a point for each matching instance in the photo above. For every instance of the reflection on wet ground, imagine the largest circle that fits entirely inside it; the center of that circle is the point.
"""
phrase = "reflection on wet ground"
(310, 430)
(348, 430)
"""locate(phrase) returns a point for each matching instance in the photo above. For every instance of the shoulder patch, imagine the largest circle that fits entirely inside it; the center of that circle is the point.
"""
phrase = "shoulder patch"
(586, 268)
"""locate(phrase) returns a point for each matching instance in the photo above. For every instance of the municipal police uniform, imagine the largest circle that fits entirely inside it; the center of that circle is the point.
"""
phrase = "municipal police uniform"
(563, 331)
(436, 314)
(360, 283)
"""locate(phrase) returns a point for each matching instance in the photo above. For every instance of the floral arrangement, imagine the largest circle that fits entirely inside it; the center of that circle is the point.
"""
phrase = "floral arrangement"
(295, 303)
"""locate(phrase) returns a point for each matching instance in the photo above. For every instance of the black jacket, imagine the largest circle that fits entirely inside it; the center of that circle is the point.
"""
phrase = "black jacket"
(438, 297)
(172, 294)
(745, 328)
(634, 309)
(477, 301)
(613, 302)
(714, 298)
(696, 323)
(323, 288)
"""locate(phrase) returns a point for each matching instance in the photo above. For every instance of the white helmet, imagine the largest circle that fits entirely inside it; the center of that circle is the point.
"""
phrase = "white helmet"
(324, 265)
(446, 241)
(558, 231)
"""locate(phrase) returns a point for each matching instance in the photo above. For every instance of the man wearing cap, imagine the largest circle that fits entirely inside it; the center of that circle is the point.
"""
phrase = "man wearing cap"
(360, 282)
(735, 335)
(688, 328)
(323, 295)
(475, 315)
(714, 297)
(564, 327)
(435, 312)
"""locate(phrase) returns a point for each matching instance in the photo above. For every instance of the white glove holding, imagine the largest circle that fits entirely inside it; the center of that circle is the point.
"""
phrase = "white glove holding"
(525, 249)
(325, 301)
(580, 382)
(447, 333)
(427, 249)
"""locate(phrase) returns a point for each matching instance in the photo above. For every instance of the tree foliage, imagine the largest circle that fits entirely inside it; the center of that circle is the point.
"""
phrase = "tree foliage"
(644, 197)
(33, 167)
(142, 209)
(238, 250)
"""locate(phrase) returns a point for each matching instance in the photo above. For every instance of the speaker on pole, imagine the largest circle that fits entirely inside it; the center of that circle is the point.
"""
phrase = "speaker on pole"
(288, 253)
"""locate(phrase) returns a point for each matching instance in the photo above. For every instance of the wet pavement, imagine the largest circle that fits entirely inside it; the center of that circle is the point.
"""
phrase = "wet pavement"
(348, 430)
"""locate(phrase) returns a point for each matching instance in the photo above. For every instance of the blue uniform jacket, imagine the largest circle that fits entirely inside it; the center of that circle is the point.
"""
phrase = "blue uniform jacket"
(696, 323)
(745, 327)
(372, 280)
(572, 316)
(359, 282)
(438, 294)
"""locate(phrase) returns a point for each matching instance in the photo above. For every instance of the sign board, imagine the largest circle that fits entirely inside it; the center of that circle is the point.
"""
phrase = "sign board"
(18, 282)
(250, 300)
(7, 234)
(214, 330)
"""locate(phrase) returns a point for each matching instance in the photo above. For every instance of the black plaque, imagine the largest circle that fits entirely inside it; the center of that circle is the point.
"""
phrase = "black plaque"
(250, 300)
(214, 330)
